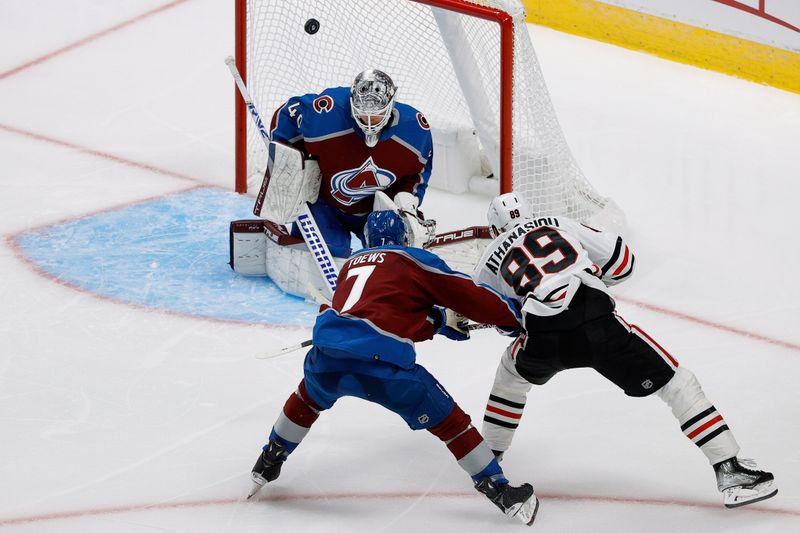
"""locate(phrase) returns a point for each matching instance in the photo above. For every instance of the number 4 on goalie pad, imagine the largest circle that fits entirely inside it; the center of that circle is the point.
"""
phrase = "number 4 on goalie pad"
(289, 182)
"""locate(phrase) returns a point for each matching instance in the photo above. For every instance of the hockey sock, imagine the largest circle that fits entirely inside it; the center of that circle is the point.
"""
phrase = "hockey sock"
(699, 419)
(468, 447)
(501, 420)
(506, 401)
(294, 422)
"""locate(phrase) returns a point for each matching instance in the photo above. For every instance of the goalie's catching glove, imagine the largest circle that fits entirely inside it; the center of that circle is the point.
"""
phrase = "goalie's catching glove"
(449, 323)
(419, 230)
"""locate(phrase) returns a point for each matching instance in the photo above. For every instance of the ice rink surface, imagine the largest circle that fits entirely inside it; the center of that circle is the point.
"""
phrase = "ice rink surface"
(130, 397)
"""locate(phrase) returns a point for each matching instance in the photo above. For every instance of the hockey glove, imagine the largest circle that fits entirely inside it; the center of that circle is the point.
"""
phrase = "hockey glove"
(449, 323)
(509, 332)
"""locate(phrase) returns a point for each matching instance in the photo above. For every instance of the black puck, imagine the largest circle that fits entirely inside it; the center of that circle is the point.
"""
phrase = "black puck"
(312, 26)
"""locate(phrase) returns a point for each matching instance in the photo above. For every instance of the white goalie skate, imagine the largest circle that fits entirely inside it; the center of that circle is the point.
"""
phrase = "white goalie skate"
(741, 483)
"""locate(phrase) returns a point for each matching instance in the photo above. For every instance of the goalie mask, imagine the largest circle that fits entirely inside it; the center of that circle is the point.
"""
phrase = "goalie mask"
(371, 103)
(506, 212)
(384, 227)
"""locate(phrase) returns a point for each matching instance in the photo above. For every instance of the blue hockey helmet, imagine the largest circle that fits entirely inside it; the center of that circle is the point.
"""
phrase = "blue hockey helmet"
(384, 227)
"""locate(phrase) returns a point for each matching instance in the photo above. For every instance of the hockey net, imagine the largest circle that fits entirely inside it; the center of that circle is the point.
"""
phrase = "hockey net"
(469, 66)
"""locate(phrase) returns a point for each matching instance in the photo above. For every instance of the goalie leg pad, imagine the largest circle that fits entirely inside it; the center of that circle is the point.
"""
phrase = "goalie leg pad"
(334, 226)
(261, 248)
(248, 245)
(294, 270)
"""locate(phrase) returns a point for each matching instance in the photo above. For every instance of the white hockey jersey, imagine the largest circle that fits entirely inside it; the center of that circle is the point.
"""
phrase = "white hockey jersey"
(543, 261)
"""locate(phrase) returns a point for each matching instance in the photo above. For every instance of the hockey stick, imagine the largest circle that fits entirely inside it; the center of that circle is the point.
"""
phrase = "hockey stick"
(308, 226)
(307, 343)
(284, 350)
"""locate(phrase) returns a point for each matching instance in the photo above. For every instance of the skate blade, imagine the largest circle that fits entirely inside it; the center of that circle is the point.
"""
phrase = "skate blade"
(739, 496)
(254, 490)
(258, 482)
(527, 512)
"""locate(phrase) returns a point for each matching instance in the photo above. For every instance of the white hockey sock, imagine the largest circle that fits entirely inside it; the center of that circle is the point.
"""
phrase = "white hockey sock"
(699, 419)
(506, 402)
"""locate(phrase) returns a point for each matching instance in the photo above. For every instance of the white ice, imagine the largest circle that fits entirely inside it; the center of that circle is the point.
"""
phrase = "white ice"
(122, 418)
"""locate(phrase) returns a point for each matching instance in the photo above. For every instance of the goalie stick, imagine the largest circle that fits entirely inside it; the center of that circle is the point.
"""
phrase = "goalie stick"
(305, 221)
(307, 343)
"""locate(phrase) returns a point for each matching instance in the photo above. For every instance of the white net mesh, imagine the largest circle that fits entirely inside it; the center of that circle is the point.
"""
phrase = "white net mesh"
(444, 63)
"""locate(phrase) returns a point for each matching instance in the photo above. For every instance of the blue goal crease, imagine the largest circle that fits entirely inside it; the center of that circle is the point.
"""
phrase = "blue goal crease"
(170, 253)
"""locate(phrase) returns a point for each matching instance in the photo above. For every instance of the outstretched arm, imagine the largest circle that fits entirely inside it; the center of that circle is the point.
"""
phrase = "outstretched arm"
(457, 291)
(608, 250)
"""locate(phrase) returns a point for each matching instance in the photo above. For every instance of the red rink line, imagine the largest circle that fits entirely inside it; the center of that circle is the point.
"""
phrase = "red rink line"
(711, 324)
(650, 307)
(90, 38)
(65, 515)
(144, 166)
(11, 242)
(135, 508)
(96, 153)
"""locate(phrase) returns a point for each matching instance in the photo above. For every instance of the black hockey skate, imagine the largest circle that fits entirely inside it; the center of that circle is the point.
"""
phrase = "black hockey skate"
(268, 466)
(741, 484)
(519, 502)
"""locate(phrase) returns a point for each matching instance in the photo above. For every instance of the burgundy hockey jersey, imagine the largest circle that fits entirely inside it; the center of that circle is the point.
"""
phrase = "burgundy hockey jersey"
(384, 295)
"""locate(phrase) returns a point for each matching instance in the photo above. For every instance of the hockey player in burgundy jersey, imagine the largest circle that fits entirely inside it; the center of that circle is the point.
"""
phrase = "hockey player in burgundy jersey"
(390, 296)
(559, 270)
(364, 141)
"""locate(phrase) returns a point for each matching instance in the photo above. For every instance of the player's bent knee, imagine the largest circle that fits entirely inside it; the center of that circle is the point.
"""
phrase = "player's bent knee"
(682, 391)
(453, 425)
(302, 392)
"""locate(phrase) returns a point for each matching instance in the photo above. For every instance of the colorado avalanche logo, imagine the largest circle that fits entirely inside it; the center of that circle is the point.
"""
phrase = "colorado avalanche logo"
(423, 122)
(323, 104)
(350, 186)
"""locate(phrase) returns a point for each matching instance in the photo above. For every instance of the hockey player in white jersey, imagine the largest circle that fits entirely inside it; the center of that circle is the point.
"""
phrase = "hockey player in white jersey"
(559, 270)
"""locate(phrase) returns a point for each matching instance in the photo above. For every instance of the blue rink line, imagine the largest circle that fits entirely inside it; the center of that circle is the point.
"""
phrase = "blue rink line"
(170, 253)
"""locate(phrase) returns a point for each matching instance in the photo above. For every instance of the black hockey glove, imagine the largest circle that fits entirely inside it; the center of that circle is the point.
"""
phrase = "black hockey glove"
(510, 332)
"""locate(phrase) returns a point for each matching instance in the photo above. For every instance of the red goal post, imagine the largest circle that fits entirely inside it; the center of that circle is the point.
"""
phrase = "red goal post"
(503, 19)
(468, 65)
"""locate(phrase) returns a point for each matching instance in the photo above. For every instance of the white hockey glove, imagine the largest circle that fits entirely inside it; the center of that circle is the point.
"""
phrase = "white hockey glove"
(418, 230)
(406, 201)
(449, 323)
